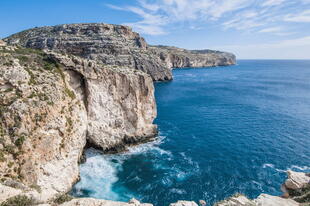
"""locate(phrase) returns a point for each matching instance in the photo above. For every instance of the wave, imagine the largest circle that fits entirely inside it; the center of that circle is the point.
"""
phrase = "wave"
(99, 173)
(292, 167)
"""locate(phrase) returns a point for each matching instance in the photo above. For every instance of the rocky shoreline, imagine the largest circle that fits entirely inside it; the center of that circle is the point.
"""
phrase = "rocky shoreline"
(68, 86)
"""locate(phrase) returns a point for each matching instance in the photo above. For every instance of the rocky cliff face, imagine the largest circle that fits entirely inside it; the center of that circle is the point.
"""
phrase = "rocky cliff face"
(120, 46)
(43, 124)
(110, 44)
(120, 102)
(51, 104)
(175, 57)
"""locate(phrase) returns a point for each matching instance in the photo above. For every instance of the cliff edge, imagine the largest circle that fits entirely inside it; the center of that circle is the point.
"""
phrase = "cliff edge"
(119, 46)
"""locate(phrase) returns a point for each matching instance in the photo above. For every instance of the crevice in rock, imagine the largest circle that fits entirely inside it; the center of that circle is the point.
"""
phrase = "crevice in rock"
(79, 85)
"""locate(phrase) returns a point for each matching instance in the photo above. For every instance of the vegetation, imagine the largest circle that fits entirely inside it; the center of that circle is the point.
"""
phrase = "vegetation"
(19, 200)
(20, 141)
(63, 198)
(70, 93)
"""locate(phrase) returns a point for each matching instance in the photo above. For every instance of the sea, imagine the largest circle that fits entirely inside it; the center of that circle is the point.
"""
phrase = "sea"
(222, 131)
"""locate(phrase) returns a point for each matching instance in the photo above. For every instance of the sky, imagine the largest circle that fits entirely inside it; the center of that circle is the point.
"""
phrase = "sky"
(251, 29)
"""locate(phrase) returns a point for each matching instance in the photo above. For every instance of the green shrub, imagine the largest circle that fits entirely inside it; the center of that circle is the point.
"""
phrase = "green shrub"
(20, 141)
(70, 93)
(63, 198)
(19, 200)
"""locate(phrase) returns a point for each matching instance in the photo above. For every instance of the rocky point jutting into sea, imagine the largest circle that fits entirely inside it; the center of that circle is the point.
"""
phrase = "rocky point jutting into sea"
(68, 85)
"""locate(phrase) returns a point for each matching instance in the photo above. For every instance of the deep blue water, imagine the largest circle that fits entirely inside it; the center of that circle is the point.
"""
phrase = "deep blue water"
(222, 130)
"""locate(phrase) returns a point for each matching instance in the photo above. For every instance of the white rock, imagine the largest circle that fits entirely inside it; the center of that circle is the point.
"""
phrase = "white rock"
(269, 200)
(184, 203)
(96, 202)
(239, 200)
(296, 180)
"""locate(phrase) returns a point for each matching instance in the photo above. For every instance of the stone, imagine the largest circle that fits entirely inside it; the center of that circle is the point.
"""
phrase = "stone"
(297, 180)
(96, 202)
(2, 43)
(202, 203)
(184, 203)
(236, 200)
(134, 201)
(269, 200)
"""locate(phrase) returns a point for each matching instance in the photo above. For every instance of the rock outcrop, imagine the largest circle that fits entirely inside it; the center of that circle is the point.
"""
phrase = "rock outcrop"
(297, 187)
(51, 104)
(118, 45)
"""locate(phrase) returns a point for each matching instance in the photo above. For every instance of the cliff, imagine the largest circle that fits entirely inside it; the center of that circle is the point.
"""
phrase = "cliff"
(118, 45)
(68, 85)
(175, 57)
(51, 104)
(109, 44)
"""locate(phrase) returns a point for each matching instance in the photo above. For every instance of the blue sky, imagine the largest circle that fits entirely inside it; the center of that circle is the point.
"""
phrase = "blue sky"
(252, 29)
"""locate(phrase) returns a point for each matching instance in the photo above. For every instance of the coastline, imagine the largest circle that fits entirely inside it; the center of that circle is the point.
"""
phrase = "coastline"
(79, 94)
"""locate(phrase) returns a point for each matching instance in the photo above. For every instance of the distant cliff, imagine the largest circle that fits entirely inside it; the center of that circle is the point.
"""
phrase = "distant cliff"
(175, 57)
(118, 45)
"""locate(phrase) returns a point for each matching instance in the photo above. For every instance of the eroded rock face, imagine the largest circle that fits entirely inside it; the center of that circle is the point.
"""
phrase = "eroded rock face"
(52, 103)
(43, 124)
(120, 103)
(110, 44)
(118, 45)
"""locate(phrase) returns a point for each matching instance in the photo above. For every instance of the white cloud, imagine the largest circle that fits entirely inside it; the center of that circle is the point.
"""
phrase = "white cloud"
(286, 49)
(157, 16)
(301, 17)
(271, 30)
(272, 2)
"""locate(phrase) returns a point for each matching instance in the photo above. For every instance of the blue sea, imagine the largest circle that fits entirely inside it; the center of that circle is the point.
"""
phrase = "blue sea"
(222, 130)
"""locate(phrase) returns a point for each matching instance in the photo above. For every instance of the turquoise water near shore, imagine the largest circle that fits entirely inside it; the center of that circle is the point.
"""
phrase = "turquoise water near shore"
(222, 130)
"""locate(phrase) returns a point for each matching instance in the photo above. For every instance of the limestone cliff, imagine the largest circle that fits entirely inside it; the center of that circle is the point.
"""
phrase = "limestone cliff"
(118, 45)
(43, 123)
(120, 103)
(51, 104)
(110, 44)
(175, 57)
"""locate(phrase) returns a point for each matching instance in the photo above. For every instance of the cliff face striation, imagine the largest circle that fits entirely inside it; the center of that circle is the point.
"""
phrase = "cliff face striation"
(51, 104)
(175, 57)
(118, 45)
(110, 44)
